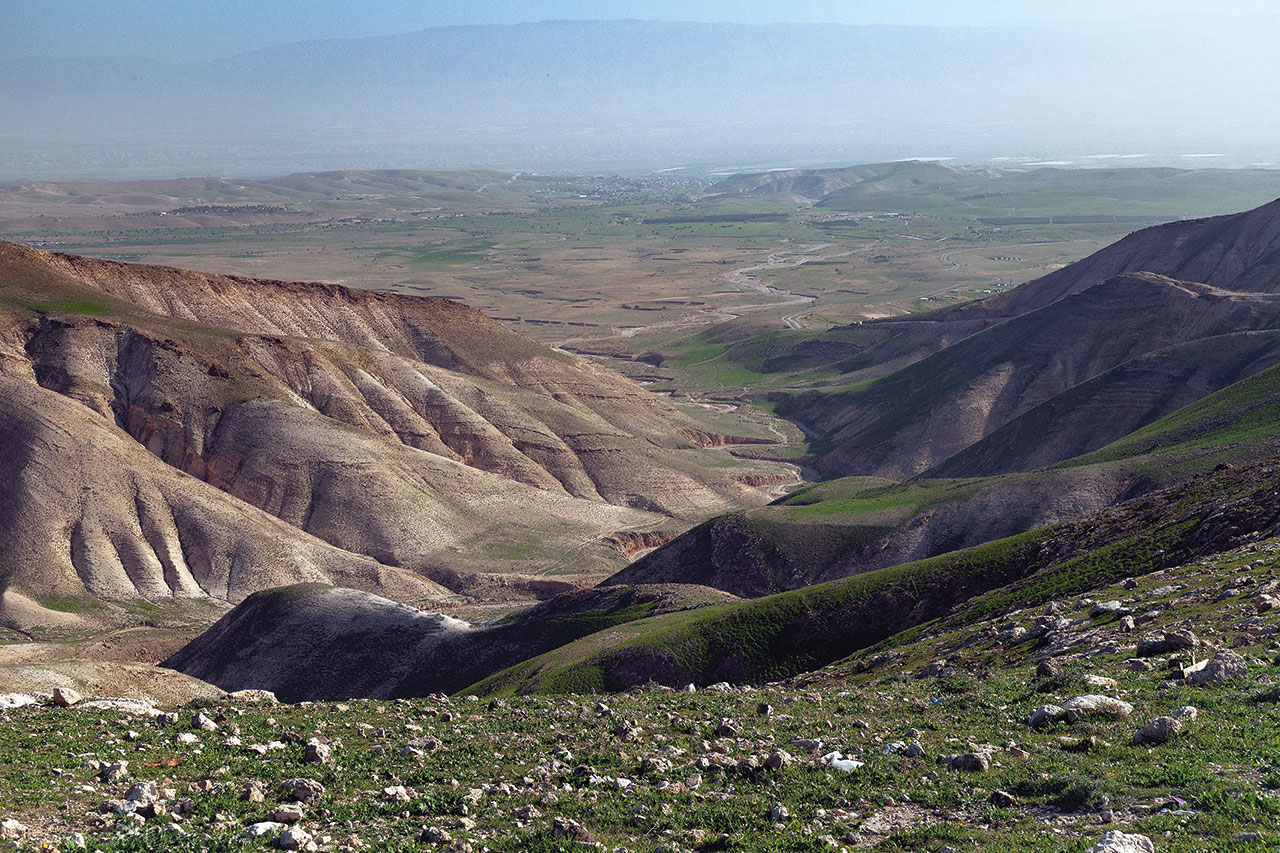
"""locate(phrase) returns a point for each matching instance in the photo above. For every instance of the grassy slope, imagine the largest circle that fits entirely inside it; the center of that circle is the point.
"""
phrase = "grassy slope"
(792, 632)
(809, 532)
(1068, 792)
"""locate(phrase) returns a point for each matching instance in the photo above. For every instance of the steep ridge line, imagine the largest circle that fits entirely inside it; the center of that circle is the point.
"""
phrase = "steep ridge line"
(915, 419)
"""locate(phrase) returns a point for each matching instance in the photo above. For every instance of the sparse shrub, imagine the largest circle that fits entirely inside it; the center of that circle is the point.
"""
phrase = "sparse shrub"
(1269, 777)
(1268, 696)
(1239, 805)
(1068, 792)
(959, 682)
(1067, 681)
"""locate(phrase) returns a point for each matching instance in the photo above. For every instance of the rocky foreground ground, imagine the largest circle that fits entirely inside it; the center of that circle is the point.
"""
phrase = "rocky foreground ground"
(1145, 716)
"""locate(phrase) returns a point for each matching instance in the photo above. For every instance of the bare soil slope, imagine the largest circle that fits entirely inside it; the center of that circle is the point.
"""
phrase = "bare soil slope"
(174, 433)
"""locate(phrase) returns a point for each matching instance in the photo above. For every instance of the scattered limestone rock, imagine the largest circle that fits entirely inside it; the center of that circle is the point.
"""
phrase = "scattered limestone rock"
(16, 700)
(10, 828)
(133, 707)
(727, 728)
(254, 791)
(113, 772)
(144, 792)
(970, 762)
(287, 813)
(1094, 705)
(263, 827)
(1078, 744)
(251, 696)
(435, 835)
(1119, 842)
(1225, 666)
(204, 722)
(65, 697)
(317, 752)
(1168, 641)
(1159, 730)
(1046, 714)
(908, 749)
(778, 759)
(295, 838)
(936, 669)
(1048, 668)
(563, 827)
(1186, 712)
(1003, 799)
(301, 790)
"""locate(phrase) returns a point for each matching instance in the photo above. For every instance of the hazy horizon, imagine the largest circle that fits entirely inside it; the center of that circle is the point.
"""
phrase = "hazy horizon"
(260, 94)
(183, 31)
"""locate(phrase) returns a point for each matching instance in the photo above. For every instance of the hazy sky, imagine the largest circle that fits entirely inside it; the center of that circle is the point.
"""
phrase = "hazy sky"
(178, 30)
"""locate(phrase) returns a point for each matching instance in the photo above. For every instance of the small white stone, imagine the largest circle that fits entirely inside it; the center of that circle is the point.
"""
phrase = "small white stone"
(263, 827)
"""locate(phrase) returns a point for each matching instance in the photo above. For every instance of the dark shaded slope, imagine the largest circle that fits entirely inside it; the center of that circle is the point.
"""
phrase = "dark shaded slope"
(854, 525)
(915, 419)
(1114, 404)
(1238, 252)
(320, 642)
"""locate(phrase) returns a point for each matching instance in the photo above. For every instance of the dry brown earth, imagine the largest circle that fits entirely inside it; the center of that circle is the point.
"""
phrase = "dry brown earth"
(174, 434)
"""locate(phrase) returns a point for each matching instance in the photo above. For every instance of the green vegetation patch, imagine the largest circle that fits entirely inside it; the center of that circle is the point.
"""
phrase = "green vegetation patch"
(1244, 413)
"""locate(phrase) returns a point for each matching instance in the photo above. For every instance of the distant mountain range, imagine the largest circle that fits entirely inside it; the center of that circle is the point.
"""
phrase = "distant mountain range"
(572, 93)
